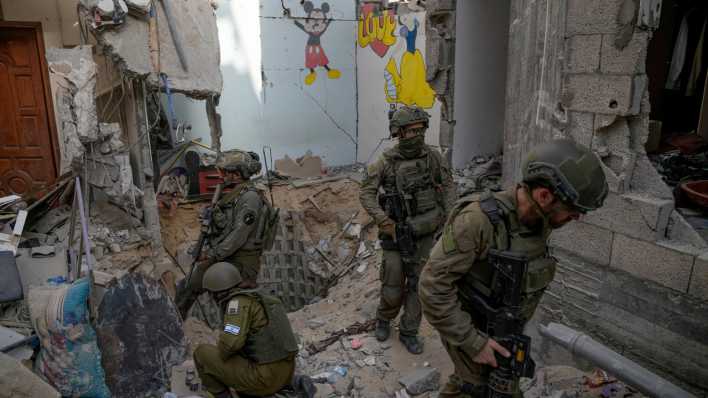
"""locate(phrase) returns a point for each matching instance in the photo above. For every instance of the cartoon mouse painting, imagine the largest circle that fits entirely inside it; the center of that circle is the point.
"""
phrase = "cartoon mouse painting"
(315, 25)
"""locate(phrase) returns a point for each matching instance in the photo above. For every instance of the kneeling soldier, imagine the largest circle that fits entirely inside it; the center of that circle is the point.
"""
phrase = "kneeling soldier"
(255, 354)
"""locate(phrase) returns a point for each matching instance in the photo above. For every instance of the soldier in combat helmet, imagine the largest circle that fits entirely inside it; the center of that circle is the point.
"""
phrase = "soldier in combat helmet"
(407, 192)
(255, 353)
(237, 226)
(562, 180)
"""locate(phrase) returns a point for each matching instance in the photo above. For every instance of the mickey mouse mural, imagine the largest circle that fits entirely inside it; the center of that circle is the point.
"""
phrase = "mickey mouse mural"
(315, 25)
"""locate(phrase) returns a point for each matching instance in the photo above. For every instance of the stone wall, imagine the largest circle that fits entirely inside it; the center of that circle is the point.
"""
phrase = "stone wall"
(632, 274)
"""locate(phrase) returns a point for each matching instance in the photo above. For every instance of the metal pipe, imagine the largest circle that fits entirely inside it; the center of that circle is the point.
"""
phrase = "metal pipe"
(624, 369)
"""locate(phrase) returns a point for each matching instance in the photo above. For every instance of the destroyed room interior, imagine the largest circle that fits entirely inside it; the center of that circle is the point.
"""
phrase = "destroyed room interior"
(232, 198)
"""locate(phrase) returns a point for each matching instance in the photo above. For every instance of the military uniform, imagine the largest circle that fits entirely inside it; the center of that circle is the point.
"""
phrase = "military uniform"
(459, 261)
(255, 353)
(238, 222)
(424, 184)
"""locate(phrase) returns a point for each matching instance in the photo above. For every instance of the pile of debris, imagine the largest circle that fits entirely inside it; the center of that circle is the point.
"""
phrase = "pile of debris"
(482, 172)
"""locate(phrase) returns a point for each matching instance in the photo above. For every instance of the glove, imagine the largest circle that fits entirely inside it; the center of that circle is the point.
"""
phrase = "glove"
(388, 227)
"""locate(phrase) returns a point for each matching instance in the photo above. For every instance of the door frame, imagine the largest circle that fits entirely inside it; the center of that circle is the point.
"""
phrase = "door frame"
(36, 27)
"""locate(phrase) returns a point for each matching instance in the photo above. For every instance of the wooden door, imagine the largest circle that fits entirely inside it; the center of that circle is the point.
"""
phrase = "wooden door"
(27, 143)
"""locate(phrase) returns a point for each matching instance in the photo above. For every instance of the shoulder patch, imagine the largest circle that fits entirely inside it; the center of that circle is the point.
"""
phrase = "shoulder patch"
(448, 240)
(232, 329)
(249, 218)
(233, 307)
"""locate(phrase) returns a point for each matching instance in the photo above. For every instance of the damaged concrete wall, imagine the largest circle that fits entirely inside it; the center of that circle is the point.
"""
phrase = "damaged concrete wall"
(266, 99)
(391, 72)
(72, 74)
(632, 274)
(128, 45)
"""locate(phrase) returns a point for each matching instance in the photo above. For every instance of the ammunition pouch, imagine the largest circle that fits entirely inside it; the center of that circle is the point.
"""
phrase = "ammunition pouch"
(427, 223)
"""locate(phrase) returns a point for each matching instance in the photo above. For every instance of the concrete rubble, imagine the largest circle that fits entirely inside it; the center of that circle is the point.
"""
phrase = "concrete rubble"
(18, 381)
(129, 47)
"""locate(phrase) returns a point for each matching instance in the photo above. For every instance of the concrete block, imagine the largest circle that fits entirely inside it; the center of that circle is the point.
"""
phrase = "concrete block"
(580, 127)
(645, 178)
(663, 265)
(630, 60)
(593, 16)
(699, 278)
(421, 380)
(639, 95)
(682, 232)
(584, 240)
(637, 216)
(16, 380)
(583, 53)
(606, 94)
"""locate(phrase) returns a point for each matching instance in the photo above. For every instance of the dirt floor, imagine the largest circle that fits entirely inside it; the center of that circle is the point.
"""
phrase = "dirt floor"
(337, 345)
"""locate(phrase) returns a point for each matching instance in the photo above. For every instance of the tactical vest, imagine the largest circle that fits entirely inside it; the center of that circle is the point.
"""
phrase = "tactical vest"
(418, 181)
(276, 340)
(259, 239)
(509, 235)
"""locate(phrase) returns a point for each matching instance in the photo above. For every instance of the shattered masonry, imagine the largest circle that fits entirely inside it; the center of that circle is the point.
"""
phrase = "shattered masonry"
(635, 262)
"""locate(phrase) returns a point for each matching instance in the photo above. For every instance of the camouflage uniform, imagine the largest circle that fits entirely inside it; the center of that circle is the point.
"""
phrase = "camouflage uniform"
(255, 353)
(459, 260)
(458, 268)
(429, 183)
(236, 234)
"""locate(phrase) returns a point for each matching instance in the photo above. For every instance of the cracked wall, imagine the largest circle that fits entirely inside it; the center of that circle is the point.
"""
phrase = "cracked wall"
(632, 274)
(269, 96)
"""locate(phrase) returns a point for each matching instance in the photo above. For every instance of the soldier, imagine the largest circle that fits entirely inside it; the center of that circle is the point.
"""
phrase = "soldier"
(237, 226)
(255, 353)
(417, 191)
(561, 181)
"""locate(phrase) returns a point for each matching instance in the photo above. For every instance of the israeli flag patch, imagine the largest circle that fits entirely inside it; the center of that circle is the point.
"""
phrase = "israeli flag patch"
(232, 329)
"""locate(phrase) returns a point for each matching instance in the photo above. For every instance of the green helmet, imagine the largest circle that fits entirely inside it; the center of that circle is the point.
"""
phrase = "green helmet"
(573, 172)
(246, 163)
(405, 116)
(221, 276)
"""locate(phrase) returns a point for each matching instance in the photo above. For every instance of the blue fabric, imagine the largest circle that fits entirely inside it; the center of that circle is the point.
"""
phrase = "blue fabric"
(73, 365)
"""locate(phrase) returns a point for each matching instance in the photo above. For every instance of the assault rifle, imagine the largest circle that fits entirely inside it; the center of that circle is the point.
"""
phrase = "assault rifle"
(505, 323)
(205, 229)
(395, 207)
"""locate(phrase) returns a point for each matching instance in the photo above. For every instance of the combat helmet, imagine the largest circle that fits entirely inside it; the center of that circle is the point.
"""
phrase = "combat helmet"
(246, 163)
(221, 276)
(573, 172)
(405, 116)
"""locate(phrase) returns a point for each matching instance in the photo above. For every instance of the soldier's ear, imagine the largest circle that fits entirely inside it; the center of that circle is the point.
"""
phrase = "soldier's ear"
(308, 7)
(325, 7)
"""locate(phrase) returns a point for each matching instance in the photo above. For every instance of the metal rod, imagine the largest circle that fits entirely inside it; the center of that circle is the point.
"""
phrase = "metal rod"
(84, 227)
(623, 368)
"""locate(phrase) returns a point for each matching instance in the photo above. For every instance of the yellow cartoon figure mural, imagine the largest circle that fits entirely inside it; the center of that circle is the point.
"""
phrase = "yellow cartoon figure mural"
(407, 85)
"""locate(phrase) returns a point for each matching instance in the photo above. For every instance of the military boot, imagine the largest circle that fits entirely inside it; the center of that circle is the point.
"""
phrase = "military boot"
(383, 330)
(412, 343)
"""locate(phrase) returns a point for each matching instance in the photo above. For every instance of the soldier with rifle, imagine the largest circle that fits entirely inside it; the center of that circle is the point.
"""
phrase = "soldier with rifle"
(488, 271)
(236, 228)
(407, 192)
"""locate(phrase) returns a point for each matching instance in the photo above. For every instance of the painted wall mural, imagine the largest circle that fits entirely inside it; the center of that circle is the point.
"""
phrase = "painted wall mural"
(391, 72)
(406, 84)
(376, 31)
(315, 26)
